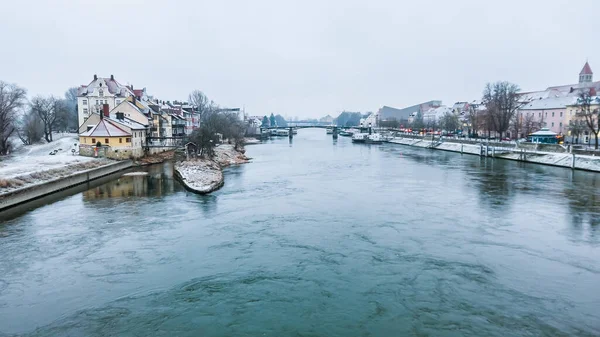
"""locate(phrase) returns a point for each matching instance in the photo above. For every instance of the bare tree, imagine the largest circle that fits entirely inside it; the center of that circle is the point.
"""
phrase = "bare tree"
(502, 102)
(516, 125)
(49, 110)
(72, 121)
(30, 129)
(529, 124)
(201, 103)
(587, 114)
(12, 98)
(576, 127)
(474, 119)
(449, 122)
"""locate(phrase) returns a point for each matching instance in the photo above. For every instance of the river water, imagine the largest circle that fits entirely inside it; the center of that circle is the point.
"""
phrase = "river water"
(314, 237)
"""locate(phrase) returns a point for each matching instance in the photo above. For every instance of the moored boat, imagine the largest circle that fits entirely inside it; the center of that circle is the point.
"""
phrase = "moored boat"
(359, 137)
(374, 138)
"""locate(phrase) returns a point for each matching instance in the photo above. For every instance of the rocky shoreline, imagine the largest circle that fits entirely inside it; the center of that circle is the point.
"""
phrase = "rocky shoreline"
(203, 176)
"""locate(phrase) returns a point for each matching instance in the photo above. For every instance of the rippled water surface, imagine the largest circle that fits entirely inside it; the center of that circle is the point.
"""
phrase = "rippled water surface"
(313, 238)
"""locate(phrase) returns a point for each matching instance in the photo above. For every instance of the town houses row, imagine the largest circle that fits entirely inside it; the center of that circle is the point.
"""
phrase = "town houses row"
(554, 108)
(126, 122)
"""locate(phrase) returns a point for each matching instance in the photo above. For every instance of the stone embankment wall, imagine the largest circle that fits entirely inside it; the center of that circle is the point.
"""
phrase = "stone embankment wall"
(552, 156)
(32, 192)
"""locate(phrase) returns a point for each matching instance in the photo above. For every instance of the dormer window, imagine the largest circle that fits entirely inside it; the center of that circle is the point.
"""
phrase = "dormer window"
(101, 93)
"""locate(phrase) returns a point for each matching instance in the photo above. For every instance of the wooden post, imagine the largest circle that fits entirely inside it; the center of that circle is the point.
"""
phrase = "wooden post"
(573, 162)
(461, 148)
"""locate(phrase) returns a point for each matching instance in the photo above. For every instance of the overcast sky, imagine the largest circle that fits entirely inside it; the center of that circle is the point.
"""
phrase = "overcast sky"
(300, 58)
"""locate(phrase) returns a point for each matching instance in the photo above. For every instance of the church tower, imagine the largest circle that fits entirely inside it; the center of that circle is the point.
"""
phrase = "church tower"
(586, 75)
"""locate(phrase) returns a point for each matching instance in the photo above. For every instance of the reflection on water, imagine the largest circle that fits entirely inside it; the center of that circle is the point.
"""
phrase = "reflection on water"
(158, 182)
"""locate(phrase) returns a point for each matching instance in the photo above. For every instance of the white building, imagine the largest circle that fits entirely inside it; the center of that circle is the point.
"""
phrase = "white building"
(371, 120)
(433, 115)
(100, 91)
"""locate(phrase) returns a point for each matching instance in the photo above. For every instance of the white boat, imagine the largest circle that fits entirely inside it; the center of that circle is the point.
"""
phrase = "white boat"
(329, 130)
(360, 137)
(374, 138)
(295, 131)
(282, 132)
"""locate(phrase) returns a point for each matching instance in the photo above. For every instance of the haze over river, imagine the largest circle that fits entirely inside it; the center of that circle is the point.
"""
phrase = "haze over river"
(312, 238)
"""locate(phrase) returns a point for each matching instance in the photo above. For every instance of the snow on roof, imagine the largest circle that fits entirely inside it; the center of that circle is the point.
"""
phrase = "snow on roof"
(113, 86)
(544, 132)
(106, 128)
(548, 93)
(128, 122)
(567, 88)
(549, 103)
(594, 100)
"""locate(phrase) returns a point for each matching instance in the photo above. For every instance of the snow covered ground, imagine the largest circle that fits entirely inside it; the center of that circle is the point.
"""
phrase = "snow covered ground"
(27, 159)
(200, 175)
(584, 162)
(205, 175)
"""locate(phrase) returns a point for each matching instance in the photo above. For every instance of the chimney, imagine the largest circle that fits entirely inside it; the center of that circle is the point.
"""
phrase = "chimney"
(112, 77)
(105, 110)
(95, 77)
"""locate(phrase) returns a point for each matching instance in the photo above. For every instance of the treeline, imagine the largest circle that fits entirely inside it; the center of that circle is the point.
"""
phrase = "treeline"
(274, 120)
(216, 125)
(32, 120)
(348, 119)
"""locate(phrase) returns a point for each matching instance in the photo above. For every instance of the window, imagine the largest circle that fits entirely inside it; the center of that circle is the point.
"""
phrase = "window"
(101, 93)
(561, 114)
(546, 114)
(552, 124)
(552, 113)
(540, 114)
(106, 139)
(85, 102)
(97, 102)
(128, 140)
(120, 140)
(93, 140)
(560, 125)
(85, 111)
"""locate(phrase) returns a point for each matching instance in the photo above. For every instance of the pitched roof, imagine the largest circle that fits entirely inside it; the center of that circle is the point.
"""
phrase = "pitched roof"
(106, 128)
(549, 103)
(114, 87)
(544, 132)
(128, 122)
(587, 70)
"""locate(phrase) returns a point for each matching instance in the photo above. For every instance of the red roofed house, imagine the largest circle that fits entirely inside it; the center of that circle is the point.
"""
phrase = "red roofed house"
(119, 138)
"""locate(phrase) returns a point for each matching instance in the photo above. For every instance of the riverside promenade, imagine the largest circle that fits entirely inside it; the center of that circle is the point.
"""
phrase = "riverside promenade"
(555, 155)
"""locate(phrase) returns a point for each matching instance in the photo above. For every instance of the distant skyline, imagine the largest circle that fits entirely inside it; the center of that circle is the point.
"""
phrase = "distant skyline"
(300, 58)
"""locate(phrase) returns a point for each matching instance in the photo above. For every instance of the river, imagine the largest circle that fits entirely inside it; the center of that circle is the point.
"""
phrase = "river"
(314, 237)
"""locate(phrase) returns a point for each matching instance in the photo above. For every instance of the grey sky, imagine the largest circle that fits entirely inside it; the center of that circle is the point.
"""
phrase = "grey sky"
(300, 58)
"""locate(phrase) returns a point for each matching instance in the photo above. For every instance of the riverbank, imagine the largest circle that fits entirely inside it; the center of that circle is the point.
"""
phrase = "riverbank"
(566, 160)
(37, 190)
(204, 176)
